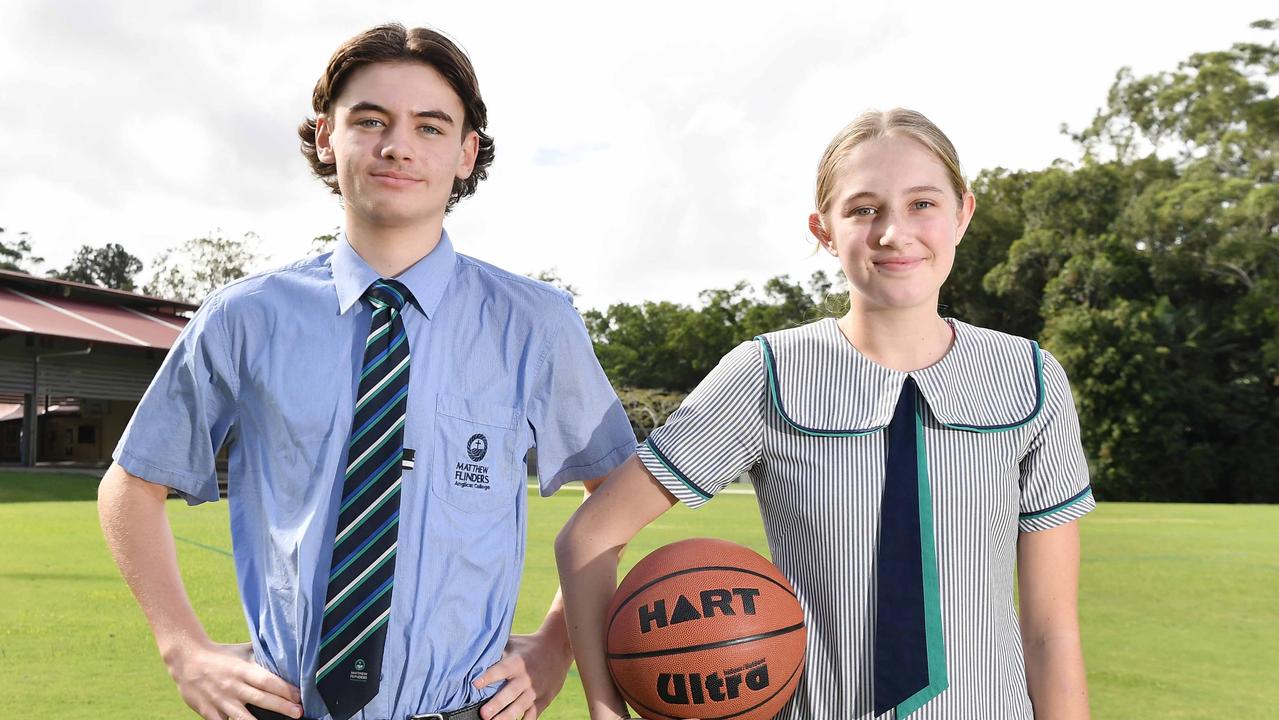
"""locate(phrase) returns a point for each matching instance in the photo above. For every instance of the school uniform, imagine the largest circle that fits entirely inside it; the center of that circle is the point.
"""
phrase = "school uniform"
(497, 363)
(808, 416)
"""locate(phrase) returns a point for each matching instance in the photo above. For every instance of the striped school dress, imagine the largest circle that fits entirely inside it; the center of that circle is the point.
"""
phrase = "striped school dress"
(804, 413)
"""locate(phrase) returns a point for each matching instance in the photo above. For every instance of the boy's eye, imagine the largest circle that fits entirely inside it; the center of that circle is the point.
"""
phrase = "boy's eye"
(864, 212)
(368, 122)
(431, 130)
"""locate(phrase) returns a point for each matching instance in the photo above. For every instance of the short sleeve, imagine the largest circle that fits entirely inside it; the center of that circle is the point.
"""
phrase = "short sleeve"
(1054, 473)
(716, 434)
(186, 413)
(579, 428)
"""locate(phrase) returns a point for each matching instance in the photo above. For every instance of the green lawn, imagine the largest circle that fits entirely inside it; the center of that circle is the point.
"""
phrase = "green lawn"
(1179, 603)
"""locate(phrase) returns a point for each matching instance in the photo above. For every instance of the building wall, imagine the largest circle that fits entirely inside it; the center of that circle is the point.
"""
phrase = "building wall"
(113, 423)
(107, 384)
(69, 439)
(86, 438)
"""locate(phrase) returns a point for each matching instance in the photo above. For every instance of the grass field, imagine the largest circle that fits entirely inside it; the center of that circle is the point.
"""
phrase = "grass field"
(1179, 603)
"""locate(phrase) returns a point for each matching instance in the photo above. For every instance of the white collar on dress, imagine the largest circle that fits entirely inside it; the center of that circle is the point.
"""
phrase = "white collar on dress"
(821, 385)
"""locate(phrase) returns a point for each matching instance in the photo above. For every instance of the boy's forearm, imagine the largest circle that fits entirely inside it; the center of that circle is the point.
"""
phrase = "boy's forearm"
(138, 535)
(554, 629)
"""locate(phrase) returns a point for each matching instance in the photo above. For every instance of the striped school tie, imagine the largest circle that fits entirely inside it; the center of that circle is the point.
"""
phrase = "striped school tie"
(362, 572)
(910, 656)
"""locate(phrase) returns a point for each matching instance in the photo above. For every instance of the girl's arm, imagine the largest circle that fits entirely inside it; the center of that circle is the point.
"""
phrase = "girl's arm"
(587, 551)
(1048, 582)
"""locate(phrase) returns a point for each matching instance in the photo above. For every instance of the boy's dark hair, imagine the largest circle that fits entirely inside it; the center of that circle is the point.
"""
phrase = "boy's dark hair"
(392, 43)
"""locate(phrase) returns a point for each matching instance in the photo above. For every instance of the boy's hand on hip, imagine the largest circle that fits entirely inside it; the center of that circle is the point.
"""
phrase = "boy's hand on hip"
(533, 667)
(217, 681)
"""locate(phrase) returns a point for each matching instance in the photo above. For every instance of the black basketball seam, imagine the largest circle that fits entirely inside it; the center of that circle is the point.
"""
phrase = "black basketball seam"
(761, 703)
(706, 646)
(685, 571)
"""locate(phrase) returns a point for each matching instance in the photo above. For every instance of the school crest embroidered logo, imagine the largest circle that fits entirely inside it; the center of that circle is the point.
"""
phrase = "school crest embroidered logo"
(477, 447)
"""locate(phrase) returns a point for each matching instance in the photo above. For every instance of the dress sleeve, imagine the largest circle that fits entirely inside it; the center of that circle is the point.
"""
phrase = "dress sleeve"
(579, 428)
(1054, 473)
(717, 432)
(187, 412)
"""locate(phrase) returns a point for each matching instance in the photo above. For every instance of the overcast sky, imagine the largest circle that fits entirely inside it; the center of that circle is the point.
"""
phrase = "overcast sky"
(644, 150)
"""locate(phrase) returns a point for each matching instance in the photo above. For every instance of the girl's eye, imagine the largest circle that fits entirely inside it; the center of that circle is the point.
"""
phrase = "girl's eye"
(864, 212)
(924, 204)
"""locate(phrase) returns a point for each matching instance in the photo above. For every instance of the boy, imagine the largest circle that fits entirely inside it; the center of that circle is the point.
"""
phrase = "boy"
(378, 401)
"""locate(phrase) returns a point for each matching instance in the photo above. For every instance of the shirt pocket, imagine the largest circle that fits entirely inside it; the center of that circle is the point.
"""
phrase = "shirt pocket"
(473, 466)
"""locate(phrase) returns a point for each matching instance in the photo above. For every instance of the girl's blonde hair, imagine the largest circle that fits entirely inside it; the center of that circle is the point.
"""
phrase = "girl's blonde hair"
(874, 124)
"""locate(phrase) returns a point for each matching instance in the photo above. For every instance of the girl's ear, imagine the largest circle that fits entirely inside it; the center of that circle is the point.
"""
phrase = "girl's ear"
(967, 206)
(818, 229)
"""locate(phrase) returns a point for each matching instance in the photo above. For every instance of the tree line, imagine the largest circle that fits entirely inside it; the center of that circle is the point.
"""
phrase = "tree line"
(1149, 268)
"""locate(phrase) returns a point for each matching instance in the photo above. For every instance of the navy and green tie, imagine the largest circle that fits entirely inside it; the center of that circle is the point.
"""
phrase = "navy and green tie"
(362, 574)
(910, 662)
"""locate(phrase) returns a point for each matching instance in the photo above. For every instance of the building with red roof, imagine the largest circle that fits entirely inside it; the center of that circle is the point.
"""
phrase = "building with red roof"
(74, 361)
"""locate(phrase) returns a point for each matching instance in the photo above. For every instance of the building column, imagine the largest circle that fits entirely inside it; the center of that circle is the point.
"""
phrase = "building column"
(30, 430)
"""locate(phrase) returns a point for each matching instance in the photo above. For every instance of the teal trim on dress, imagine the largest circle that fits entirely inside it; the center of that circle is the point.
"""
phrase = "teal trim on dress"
(1038, 355)
(938, 679)
(648, 442)
(1078, 498)
(775, 392)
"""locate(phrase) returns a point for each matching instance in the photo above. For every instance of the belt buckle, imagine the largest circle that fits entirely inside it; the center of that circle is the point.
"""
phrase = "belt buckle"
(427, 716)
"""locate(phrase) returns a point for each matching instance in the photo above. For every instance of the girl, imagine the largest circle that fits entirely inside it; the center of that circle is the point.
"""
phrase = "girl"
(903, 463)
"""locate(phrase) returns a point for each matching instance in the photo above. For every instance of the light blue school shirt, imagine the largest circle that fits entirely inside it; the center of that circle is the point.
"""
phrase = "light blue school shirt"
(269, 364)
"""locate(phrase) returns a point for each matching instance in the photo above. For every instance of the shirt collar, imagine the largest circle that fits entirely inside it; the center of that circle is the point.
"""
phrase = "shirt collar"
(823, 385)
(989, 381)
(425, 279)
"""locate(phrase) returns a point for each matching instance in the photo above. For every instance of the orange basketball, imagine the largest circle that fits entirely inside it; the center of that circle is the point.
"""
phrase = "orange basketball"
(706, 629)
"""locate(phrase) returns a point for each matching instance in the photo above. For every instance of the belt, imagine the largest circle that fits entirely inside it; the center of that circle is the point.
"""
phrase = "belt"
(470, 712)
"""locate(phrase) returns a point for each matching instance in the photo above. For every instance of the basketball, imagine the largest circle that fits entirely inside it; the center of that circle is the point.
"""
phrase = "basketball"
(708, 629)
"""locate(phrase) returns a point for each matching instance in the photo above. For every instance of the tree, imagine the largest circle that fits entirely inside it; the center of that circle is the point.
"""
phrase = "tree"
(1152, 270)
(109, 266)
(998, 222)
(16, 254)
(324, 243)
(648, 409)
(201, 265)
(552, 277)
(668, 346)
(641, 345)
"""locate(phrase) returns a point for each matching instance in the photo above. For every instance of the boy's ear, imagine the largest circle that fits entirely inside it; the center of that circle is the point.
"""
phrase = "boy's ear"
(323, 139)
(470, 153)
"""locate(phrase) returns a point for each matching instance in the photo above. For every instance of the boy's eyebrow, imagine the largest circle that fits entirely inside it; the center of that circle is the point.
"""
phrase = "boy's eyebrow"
(366, 106)
(436, 114)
